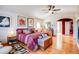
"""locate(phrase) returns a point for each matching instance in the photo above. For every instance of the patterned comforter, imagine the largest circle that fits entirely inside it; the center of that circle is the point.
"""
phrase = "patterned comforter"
(30, 40)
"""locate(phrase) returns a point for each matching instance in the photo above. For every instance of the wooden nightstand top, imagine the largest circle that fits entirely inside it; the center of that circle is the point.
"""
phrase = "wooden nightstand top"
(12, 37)
(4, 44)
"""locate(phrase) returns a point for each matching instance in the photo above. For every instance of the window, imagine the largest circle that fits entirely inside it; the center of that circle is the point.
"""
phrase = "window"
(38, 25)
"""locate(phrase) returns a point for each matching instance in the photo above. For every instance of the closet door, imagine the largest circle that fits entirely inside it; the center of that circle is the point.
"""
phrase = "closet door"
(78, 30)
(67, 28)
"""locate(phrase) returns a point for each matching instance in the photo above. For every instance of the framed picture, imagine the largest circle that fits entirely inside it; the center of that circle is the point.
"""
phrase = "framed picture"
(4, 21)
(21, 21)
(30, 22)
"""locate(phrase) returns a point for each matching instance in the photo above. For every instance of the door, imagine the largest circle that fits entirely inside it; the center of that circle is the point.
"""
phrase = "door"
(67, 28)
(78, 30)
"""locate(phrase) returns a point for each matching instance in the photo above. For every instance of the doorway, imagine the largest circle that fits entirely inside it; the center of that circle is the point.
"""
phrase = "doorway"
(67, 26)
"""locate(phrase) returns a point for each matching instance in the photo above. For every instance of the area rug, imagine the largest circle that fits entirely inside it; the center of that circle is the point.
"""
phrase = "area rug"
(17, 49)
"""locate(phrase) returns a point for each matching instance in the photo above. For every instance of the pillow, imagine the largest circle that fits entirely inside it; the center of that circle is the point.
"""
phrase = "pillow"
(19, 31)
(40, 37)
(26, 31)
(44, 35)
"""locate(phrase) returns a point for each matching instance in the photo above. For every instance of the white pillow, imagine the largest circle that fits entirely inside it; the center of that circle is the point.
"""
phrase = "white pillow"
(26, 31)
(40, 37)
(45, 35)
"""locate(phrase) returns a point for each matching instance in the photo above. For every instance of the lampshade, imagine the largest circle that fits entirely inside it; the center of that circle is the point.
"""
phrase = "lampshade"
(10, 33)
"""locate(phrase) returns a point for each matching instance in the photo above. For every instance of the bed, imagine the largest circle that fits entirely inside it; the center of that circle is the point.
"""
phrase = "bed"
(28, 37)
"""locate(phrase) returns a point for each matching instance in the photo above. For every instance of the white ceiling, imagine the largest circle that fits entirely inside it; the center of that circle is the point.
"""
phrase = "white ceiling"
(35, 10)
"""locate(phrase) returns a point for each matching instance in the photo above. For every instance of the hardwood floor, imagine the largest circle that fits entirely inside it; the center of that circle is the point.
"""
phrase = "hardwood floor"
(68, 47)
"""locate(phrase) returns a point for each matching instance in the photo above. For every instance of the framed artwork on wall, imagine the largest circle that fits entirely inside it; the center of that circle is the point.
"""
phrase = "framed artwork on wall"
(21, 21)
(30, 22)
(4, 21)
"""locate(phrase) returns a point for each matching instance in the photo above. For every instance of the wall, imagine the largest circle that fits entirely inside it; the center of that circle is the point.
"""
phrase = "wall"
(4, 31)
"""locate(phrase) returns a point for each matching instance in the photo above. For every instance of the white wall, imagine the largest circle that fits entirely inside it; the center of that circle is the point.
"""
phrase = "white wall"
(4, 31)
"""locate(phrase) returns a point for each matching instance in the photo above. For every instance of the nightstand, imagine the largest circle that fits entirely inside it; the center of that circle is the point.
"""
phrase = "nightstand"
(11, 39)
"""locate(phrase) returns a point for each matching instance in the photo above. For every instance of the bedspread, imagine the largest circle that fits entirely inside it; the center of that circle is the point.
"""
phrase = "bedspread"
(30, 40)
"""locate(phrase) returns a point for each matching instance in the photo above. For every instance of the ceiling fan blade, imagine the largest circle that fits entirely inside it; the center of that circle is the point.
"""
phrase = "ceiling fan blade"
(56, 9)
(53, 7)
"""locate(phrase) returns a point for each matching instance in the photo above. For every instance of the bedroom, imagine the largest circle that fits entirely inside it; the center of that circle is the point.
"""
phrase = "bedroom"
(19, 23)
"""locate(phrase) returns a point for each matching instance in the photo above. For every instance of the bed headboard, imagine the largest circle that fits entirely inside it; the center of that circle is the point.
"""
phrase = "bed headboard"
(21, 30)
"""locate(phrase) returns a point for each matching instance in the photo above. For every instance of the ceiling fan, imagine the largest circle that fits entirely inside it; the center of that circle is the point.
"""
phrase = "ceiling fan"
(51, 9)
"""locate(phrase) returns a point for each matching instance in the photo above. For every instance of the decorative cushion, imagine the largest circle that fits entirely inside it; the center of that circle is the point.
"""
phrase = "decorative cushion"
(40, 37)
(19, 31)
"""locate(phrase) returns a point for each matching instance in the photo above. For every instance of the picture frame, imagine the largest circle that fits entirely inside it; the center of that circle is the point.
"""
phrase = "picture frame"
(4, 21)
(30, 22)
(21, 21)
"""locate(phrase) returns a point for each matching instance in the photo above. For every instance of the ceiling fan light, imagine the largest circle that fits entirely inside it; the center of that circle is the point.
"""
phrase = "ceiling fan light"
(50, 11)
